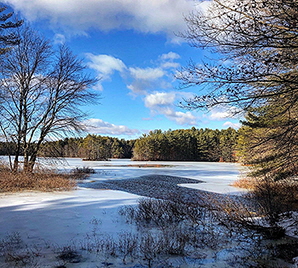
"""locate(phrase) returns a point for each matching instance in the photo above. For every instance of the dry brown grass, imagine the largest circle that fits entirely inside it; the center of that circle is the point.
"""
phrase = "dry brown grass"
(246, 183)
(282, 187)
(39, 181)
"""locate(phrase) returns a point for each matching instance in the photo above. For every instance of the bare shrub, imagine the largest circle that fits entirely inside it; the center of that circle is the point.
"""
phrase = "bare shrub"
(181, 226)
(69, 254)
(151, 246)
(245, 183)
(129, 212)
(110, 247)
(175, 240)
(155, 212)
(276, 197)
(24, 257)
(17, 253)
(82, 173)
(128, 245)
(273, 200)
(11, 242)
(93, 243)
(246, 214)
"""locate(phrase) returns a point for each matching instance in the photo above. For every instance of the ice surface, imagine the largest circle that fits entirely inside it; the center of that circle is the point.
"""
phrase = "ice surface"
(217, 177)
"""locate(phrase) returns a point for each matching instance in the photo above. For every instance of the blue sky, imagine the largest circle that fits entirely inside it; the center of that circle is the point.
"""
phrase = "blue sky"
(132, 46)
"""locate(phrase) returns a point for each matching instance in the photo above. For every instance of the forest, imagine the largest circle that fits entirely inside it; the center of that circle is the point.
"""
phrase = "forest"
(172, 145)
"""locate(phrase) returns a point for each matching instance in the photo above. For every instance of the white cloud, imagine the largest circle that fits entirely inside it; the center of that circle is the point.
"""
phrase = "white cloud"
(168, 65)
(59, 39)
(223, 112)
(182, 118)
(140, 80)
(145, 79)
(170, 56)
(232, 125)
(146, 73)
(98, 126)
(161, 103)
(146, 16)
(219, 115)
(168, 60)
(105, 65)
(158, 77)
(159, 99)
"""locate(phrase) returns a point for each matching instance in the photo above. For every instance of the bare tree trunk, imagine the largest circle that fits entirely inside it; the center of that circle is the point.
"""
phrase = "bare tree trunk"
(17, 154)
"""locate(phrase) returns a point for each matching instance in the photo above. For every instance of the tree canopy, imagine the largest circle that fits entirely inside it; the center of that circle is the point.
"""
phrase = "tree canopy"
(255, 72)
(187, 145)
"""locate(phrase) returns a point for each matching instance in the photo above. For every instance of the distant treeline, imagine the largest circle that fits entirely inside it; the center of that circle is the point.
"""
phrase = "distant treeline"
(92, 147)
(187, 145)
(172, 145)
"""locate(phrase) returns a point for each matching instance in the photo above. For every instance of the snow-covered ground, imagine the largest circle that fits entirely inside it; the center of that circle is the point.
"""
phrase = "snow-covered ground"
(64, 218)
(61, 217)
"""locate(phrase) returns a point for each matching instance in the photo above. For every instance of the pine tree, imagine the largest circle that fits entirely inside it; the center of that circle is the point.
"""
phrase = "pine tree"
(8, 37)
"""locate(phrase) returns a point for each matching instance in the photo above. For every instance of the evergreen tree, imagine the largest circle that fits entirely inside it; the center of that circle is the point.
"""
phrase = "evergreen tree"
(8, 25)
(187, 145)
(269, 141)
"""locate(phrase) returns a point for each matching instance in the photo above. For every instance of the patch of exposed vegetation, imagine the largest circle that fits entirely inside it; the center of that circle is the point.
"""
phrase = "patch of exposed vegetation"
(46, 181)
(157, 186)
(40, 180)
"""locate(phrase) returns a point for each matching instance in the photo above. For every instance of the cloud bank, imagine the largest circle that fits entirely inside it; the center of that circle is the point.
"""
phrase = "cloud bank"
(145, 16)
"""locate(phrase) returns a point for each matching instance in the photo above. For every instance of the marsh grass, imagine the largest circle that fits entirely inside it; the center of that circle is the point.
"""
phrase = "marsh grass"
(245, 183)
(41, 179)
(45, 181)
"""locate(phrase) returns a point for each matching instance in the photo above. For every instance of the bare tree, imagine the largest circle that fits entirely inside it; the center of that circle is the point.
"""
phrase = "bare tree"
(43, 92)
(256, 46)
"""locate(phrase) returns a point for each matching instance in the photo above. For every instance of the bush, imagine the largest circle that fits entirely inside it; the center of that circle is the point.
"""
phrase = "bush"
(155, 212)
(82, 173)
(276, 197)
(272, 198)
